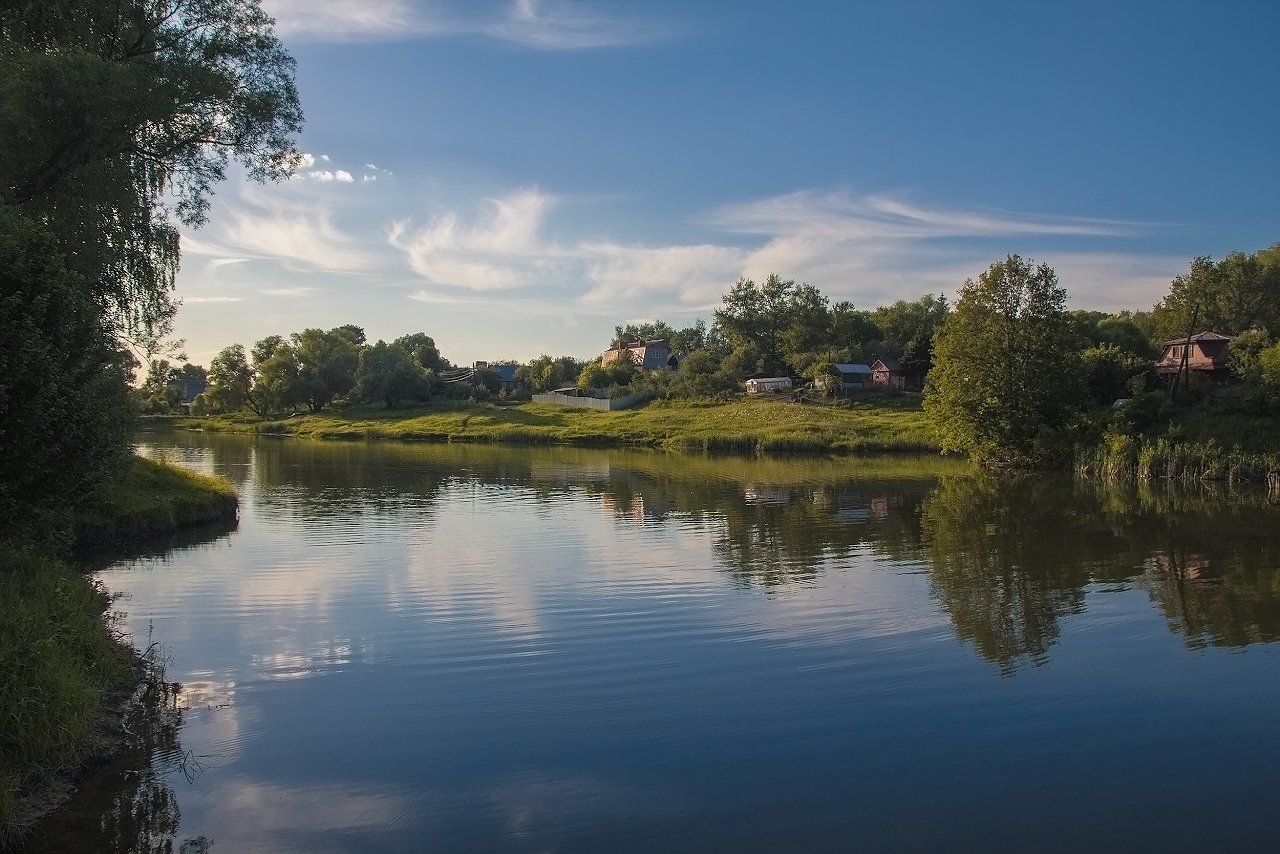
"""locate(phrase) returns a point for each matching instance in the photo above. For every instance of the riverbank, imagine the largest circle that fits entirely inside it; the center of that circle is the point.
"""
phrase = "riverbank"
(65, 670)
(876, 423)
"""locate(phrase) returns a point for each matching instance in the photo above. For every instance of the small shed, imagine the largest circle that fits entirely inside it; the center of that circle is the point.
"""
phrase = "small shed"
(854, 377)
(760, 385)
(889, 373)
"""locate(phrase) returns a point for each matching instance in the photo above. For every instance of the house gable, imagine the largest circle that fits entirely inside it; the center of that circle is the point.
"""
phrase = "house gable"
(1205, 353)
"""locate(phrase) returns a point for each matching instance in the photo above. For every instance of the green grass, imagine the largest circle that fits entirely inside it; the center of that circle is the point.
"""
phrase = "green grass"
(754, 424)
(61, 662)
(59, 665)
(152, 499)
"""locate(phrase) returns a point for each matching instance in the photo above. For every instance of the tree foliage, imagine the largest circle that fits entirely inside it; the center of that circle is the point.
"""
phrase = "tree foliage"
(65, 413)
(908, 329)
(388, 372)
(327, 363)
(546, 373)
(230, 381)
(120, 117)
(1005, 367)
(116, 121)
(1237, 293)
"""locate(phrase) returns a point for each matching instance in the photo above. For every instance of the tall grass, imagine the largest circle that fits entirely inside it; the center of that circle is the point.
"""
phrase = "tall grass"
(59, 663)
(1126, 458)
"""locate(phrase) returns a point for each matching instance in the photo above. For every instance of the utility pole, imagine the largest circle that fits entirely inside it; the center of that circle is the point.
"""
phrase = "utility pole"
(1186, 353)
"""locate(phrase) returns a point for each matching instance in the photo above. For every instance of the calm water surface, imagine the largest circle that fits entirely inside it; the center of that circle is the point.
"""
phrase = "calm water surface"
(413, 648)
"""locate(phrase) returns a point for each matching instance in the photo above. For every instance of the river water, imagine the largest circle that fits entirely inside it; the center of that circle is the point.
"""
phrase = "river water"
(454, 648)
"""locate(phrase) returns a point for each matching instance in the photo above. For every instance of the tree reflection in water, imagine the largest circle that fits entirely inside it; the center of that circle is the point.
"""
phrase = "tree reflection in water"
(128, 806)
(1009, 557)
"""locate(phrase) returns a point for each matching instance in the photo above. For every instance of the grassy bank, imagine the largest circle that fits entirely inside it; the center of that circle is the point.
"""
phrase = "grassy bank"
(763, 425)
(64, 670)
(154, 499)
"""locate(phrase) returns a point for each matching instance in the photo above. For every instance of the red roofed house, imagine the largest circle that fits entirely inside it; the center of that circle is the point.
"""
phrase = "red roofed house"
(1205, 354)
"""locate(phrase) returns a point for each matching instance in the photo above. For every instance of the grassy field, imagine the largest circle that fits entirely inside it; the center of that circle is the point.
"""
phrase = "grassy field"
(762, 425)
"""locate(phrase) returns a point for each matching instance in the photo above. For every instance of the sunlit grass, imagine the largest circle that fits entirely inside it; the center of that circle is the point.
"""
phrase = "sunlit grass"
(154, 498)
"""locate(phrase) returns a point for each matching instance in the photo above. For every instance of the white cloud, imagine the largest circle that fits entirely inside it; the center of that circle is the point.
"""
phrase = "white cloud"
(186, 300)
(872, 250)
(287, 292)
(276, 225)
(561, 25)
(693, 274)
(842, 216)
(348, 19)
(324, 176)
(503, 250)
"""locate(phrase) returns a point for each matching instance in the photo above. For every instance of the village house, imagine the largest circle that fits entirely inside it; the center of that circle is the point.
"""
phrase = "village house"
(649, 355)
(1204, 355)
(889, 373)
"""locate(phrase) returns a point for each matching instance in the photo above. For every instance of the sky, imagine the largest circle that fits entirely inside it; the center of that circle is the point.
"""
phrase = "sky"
(518, 177)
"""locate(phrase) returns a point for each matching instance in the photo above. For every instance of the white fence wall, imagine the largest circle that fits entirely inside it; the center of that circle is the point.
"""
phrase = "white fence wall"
(606, 404)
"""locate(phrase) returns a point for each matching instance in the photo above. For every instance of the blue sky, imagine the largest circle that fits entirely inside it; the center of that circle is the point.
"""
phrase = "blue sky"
(517, 178)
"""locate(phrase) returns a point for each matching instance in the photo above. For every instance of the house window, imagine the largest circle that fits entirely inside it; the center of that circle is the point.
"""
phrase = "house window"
(1177, 352)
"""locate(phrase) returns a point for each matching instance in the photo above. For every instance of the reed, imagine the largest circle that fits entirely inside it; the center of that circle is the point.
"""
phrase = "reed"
(1125, 458)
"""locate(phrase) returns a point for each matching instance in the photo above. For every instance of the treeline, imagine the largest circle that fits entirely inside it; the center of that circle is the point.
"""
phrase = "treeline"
(777, 327)
(315, 368)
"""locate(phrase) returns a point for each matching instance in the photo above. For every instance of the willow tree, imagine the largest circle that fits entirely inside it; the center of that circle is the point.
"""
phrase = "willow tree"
(1005, 369)
(116, 121)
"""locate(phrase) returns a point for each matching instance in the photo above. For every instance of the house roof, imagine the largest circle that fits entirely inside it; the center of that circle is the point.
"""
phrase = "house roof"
(1199, 336)
(887, 364)
(854, 369)
(506, 373)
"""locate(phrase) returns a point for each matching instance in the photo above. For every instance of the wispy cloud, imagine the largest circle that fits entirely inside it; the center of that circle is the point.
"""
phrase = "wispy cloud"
(210, 299)
(501, 250)
(288, 292)
(561, 25)
(693, 275)
(276, 225)
(843, 216)
(871, 249)
(346, 20)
